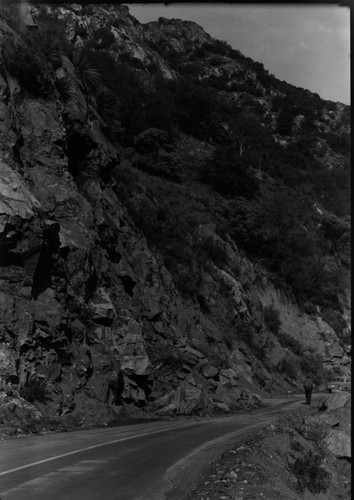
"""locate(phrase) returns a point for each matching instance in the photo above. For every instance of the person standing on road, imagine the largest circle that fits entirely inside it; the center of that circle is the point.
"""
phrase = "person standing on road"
(308, 386)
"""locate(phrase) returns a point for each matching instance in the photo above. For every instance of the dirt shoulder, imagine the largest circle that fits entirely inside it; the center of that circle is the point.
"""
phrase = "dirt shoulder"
(289, 459)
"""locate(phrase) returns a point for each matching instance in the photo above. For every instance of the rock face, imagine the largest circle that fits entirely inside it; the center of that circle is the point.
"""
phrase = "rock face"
(85, 304)
(339, 443)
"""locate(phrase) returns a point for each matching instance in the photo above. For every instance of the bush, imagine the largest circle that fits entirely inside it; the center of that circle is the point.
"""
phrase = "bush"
(25, 65)
(312, 364)
(89, 75)
(108, 105)
(66, 89)
(310, 474)
(103, 38)
(124, 83)
(246, 222)
(151, 140)
(192, 69)
(289, 367)
(201, 52)
(285, 123)
(217, 47)
(216, 60)
(289, 342)
(197, 108)
(227, 173)
(87, 10)
(171, 234)
(48, 45)
(36, 390)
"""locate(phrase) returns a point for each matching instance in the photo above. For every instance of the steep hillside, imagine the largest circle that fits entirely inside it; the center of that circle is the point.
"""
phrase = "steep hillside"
(175, 223)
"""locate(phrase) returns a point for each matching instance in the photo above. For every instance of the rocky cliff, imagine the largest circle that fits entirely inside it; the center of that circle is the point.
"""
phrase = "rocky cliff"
(95, 323)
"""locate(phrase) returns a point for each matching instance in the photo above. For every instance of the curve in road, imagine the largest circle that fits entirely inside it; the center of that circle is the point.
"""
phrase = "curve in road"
(137, 462)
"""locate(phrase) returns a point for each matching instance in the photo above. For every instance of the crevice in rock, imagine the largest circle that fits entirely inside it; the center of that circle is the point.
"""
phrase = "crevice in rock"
(143, 382)
(155, 317)
(77, 149)
(128, 284)
(117, 388)
(92, 281)
(114, 256)
(42, 278)
(8, 240)
(203, 303)
(105, 171)
(16, 151)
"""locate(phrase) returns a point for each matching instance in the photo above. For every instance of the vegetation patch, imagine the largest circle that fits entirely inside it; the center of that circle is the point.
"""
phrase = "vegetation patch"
(310, 473)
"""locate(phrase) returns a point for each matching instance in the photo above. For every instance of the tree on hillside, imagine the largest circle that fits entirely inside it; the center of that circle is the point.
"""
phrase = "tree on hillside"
(198, 110)
(227, 173)
(283, 212)
(285, 123)
(242, 146)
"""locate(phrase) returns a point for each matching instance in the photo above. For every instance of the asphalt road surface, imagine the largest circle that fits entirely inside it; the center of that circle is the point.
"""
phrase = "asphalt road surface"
(150, 461)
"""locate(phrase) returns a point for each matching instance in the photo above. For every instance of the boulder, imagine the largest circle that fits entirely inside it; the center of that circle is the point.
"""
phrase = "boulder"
(185, 400)
(222, 406)
(237, 293)
(344, 415)
(78, 330)
(212, 331)
(334, 401)
(69, 381)
(339, 443)
(132, 352)
(131, 391)
(101, 307)
(50, 367)
(47, 310)
(151, 300)
(224, 395)
(251, 397)
(207, 292)
(327, 419)
(194, 352)
(99, 334)
(210, 371)
(82, 360)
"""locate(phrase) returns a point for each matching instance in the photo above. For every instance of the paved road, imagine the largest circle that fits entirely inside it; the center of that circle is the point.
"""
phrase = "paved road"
(135, 462)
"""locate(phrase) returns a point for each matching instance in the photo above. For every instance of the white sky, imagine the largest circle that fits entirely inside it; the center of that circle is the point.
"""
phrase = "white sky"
(305, 45)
